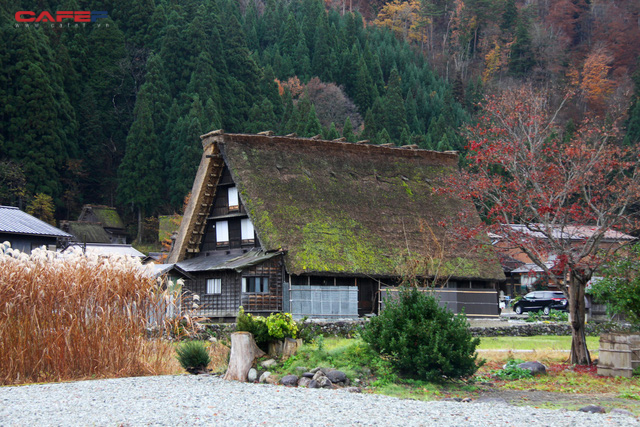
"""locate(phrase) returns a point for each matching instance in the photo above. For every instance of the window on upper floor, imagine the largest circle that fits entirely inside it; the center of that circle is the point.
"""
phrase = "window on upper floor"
(247, 230)
(255, 284)
(222, 233)
(234, 204)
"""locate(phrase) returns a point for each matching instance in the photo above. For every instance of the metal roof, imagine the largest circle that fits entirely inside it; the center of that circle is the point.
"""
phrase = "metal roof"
(109, 249)
(15, 221)
(235, 260)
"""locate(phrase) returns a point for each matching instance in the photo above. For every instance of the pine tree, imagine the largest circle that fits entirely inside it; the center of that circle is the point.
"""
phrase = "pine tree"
(261, 117)
(521, 60)
(141, 169)
(331, 132)
(313, 126)
(396, 114)
(383, 137)
(347, 131)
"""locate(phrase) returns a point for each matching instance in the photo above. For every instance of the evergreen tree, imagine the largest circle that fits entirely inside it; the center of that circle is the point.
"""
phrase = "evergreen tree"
(521, 60)
(291, 36)
(396, 114)
(331, 132)
(141, 169)
(347, 131)
(364, 89)
(509, 16)
(313, 126)
(261, 117)
(383, 138)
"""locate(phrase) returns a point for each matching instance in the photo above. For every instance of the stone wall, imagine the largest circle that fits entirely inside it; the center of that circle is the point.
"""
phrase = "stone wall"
(349, 329)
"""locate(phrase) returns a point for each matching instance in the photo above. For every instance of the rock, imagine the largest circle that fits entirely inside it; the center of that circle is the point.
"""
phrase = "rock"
(324, 382)
(622, 412)
(337, 376)
(289, 380)
(467, 400)
(536, 368)
(272, 379)
(315, 370)
(313, 384)
(304, 382)
(301, 369)
(268, 363)
(308, 375)
(354, 390)
(252, 376)
(263, 378)
(593, 409)
(213, 339)
(317, 375)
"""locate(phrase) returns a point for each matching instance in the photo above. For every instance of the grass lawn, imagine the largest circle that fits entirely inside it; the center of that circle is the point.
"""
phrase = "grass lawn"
(538, 343)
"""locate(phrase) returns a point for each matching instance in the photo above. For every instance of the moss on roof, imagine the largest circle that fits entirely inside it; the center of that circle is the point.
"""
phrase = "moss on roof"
(105, 215)
(340, 208)
(86, 232)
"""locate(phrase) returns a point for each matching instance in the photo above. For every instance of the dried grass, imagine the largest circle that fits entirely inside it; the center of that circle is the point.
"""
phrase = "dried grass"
(75, 318)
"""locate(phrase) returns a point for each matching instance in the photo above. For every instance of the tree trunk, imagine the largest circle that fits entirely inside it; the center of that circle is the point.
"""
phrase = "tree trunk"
(139, 237)
(579, 351)
(244, 352)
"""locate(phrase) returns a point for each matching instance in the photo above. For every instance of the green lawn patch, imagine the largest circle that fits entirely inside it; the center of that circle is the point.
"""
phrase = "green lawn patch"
(539, 343)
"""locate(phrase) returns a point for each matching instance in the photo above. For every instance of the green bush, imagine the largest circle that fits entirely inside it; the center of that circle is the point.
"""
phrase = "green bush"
(423, 340)
(512, 372)
(553, 316)
(254, 324)
(275, 327)
(193, 356)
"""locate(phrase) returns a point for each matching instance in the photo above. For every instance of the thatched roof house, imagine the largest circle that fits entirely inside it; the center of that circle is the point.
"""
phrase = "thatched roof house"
(324, 213)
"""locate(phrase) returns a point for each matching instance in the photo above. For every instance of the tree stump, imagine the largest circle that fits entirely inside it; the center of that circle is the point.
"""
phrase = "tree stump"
(244, 352)
(283, 349)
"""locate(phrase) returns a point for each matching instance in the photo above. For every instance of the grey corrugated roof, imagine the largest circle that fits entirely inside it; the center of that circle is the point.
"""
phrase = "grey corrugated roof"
(235, 260)
(13, 220)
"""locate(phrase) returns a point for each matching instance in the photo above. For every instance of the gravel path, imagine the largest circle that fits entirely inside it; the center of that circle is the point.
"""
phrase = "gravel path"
(208, 400)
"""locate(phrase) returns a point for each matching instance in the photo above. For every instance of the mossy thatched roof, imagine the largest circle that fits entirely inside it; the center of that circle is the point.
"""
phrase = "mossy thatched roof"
(88, 232)
(341, 208)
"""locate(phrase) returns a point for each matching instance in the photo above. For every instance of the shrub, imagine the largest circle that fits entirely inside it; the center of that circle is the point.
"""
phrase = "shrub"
(512, 372)
(553, 316)
(422, 339)
(275, 327)
(281, 325)
(254, 324)
(193, 356)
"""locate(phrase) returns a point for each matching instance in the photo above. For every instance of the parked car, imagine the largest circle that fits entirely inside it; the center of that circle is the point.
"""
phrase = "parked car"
(541, 300)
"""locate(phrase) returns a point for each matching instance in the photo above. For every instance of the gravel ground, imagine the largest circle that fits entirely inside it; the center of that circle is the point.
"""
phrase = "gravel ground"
(209, 400)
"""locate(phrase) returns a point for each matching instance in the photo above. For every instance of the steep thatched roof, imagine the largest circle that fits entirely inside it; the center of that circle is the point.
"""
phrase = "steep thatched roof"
(107, 216)
(87, 232)
(341, 208)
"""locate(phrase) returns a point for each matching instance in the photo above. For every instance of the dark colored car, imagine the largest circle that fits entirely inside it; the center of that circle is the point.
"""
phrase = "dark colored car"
(541, 300)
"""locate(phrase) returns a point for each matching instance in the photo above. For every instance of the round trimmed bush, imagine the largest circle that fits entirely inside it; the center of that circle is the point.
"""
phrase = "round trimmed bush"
(423, 340)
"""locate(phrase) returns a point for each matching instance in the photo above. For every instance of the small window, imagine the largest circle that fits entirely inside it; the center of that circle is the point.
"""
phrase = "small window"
(214, 286)
(233, 199)
(255, 284)
(222, 232)
(247, 229)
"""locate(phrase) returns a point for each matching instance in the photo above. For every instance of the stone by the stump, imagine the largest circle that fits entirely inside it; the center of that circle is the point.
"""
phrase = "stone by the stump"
(268, 363)
(289, 380)
(622, 412)
(308, 375)
(263, 378)
(337, 376)
(593, 409)
(536, 368)
(324, 382)
(252, 376)
(313, 384)
(304, 382)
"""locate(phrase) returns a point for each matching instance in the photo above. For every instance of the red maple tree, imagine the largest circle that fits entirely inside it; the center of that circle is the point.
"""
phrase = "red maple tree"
(538, 189)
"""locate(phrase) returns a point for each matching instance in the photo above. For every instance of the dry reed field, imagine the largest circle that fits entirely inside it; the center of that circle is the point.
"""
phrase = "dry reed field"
(77, 317)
